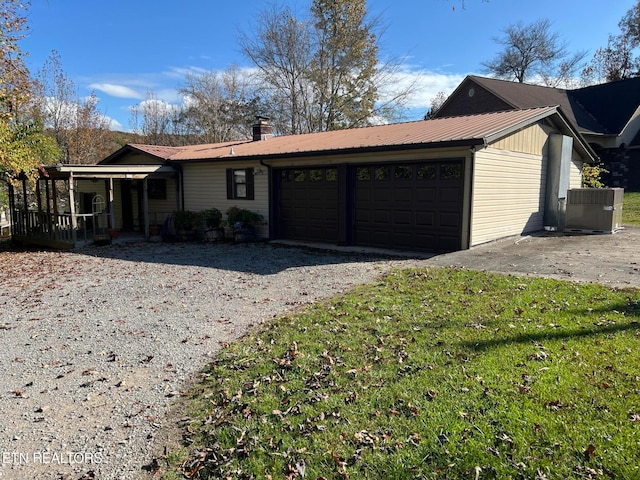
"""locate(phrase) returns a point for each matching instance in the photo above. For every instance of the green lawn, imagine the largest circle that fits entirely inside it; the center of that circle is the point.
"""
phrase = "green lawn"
(631, 208)
(437, 373)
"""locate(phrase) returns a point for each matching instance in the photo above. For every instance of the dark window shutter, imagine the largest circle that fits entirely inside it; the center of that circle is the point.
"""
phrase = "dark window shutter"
(250, 182)
(229, 183)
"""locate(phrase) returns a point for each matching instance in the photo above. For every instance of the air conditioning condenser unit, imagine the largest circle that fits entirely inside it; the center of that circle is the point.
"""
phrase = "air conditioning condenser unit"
(594, 210)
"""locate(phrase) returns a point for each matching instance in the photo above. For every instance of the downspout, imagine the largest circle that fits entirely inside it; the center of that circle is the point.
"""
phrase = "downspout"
(271, 200)
(179, 183)
(472, 162)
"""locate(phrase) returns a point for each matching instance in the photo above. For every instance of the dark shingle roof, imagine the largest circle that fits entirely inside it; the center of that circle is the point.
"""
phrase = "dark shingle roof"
(599, 109)
(612, 103)
(523, 95)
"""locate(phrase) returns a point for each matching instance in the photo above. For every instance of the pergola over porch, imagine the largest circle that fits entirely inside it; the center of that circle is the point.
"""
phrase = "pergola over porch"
(49, 215)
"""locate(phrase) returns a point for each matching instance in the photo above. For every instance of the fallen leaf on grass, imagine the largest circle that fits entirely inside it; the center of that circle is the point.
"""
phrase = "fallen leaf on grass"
(590, 452)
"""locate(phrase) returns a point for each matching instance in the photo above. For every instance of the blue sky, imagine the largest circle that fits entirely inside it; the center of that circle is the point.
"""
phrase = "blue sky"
(122, 49)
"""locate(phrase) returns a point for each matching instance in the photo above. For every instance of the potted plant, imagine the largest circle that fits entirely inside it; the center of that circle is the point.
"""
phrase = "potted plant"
(113, 232)
(243, 223)
(211, 219)
(155, 229)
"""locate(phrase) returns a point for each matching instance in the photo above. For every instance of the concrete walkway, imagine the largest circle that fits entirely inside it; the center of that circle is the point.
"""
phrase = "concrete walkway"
(609, 259)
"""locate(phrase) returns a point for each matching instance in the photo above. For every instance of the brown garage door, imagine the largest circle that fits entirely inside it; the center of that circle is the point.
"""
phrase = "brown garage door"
(409, 206)
(309, 204)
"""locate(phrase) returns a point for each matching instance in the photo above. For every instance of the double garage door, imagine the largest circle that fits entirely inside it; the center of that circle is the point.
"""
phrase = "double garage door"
(413, 206)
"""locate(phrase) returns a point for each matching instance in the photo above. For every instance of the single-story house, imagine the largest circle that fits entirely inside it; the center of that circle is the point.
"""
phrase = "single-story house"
(443, 184)
(606, 115)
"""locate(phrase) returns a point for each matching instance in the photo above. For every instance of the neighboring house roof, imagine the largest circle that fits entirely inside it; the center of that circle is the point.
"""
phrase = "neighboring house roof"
(471, 130)
(599, 109)
(613, 104)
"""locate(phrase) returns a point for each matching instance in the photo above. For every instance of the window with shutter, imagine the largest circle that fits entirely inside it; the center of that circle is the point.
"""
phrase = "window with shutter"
(240, 184)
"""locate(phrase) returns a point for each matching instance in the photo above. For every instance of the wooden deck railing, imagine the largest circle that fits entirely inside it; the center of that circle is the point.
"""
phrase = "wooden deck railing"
(56, 229)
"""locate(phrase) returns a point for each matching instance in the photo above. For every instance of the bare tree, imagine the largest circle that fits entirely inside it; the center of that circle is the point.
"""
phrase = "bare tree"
(218, 107)
(620, 58)
(280, 48)
(436, 104)
(90, 135)
(323, 72)
(533, 49)
(153, 119)
(80, 130)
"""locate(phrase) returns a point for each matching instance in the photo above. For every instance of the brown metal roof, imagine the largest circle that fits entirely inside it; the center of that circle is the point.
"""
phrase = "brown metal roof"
(471, 129)
(156, 150)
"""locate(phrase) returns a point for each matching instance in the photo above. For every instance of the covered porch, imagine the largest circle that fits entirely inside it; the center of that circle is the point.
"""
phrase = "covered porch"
(72, 205)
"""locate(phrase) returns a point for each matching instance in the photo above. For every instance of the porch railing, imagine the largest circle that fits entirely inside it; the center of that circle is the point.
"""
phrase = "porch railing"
(58, 228)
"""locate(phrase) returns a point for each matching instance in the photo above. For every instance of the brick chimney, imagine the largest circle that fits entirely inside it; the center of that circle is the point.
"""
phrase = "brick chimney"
(262, 129)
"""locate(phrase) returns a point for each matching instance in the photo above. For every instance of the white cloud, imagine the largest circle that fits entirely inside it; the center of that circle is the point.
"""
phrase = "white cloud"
(182, 72)
(427, 86)
(114, 124)
(119, 91)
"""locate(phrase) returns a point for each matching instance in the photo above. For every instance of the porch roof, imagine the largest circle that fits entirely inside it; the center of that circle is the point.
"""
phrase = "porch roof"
(107, 171)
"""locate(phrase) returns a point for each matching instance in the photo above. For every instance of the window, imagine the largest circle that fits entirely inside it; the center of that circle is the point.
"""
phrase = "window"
(451, 171)
(240, 183)
(427, 171)
(157, 188)
(363, 173)
(315, 175)
(403, 172)
(382, 173)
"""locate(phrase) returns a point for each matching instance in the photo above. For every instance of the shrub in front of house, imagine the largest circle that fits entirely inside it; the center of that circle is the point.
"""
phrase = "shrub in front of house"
(242, 218)
(241, 223)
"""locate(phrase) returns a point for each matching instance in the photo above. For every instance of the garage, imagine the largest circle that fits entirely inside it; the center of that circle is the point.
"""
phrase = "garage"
(308, 207)
(409, 206)
(414, 206)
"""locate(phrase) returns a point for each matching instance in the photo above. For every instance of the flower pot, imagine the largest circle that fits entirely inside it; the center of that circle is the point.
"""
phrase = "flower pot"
(214, 234)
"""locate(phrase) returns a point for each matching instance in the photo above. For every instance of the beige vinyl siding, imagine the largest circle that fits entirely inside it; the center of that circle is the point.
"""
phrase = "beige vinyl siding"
(139, 158)
(159, 210)
(575, 177)
(532, 140)
(508, 194)
(205, 186)
(92, 187)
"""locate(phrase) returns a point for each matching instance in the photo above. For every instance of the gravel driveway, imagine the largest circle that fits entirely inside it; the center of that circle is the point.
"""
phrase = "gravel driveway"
(96, 344)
